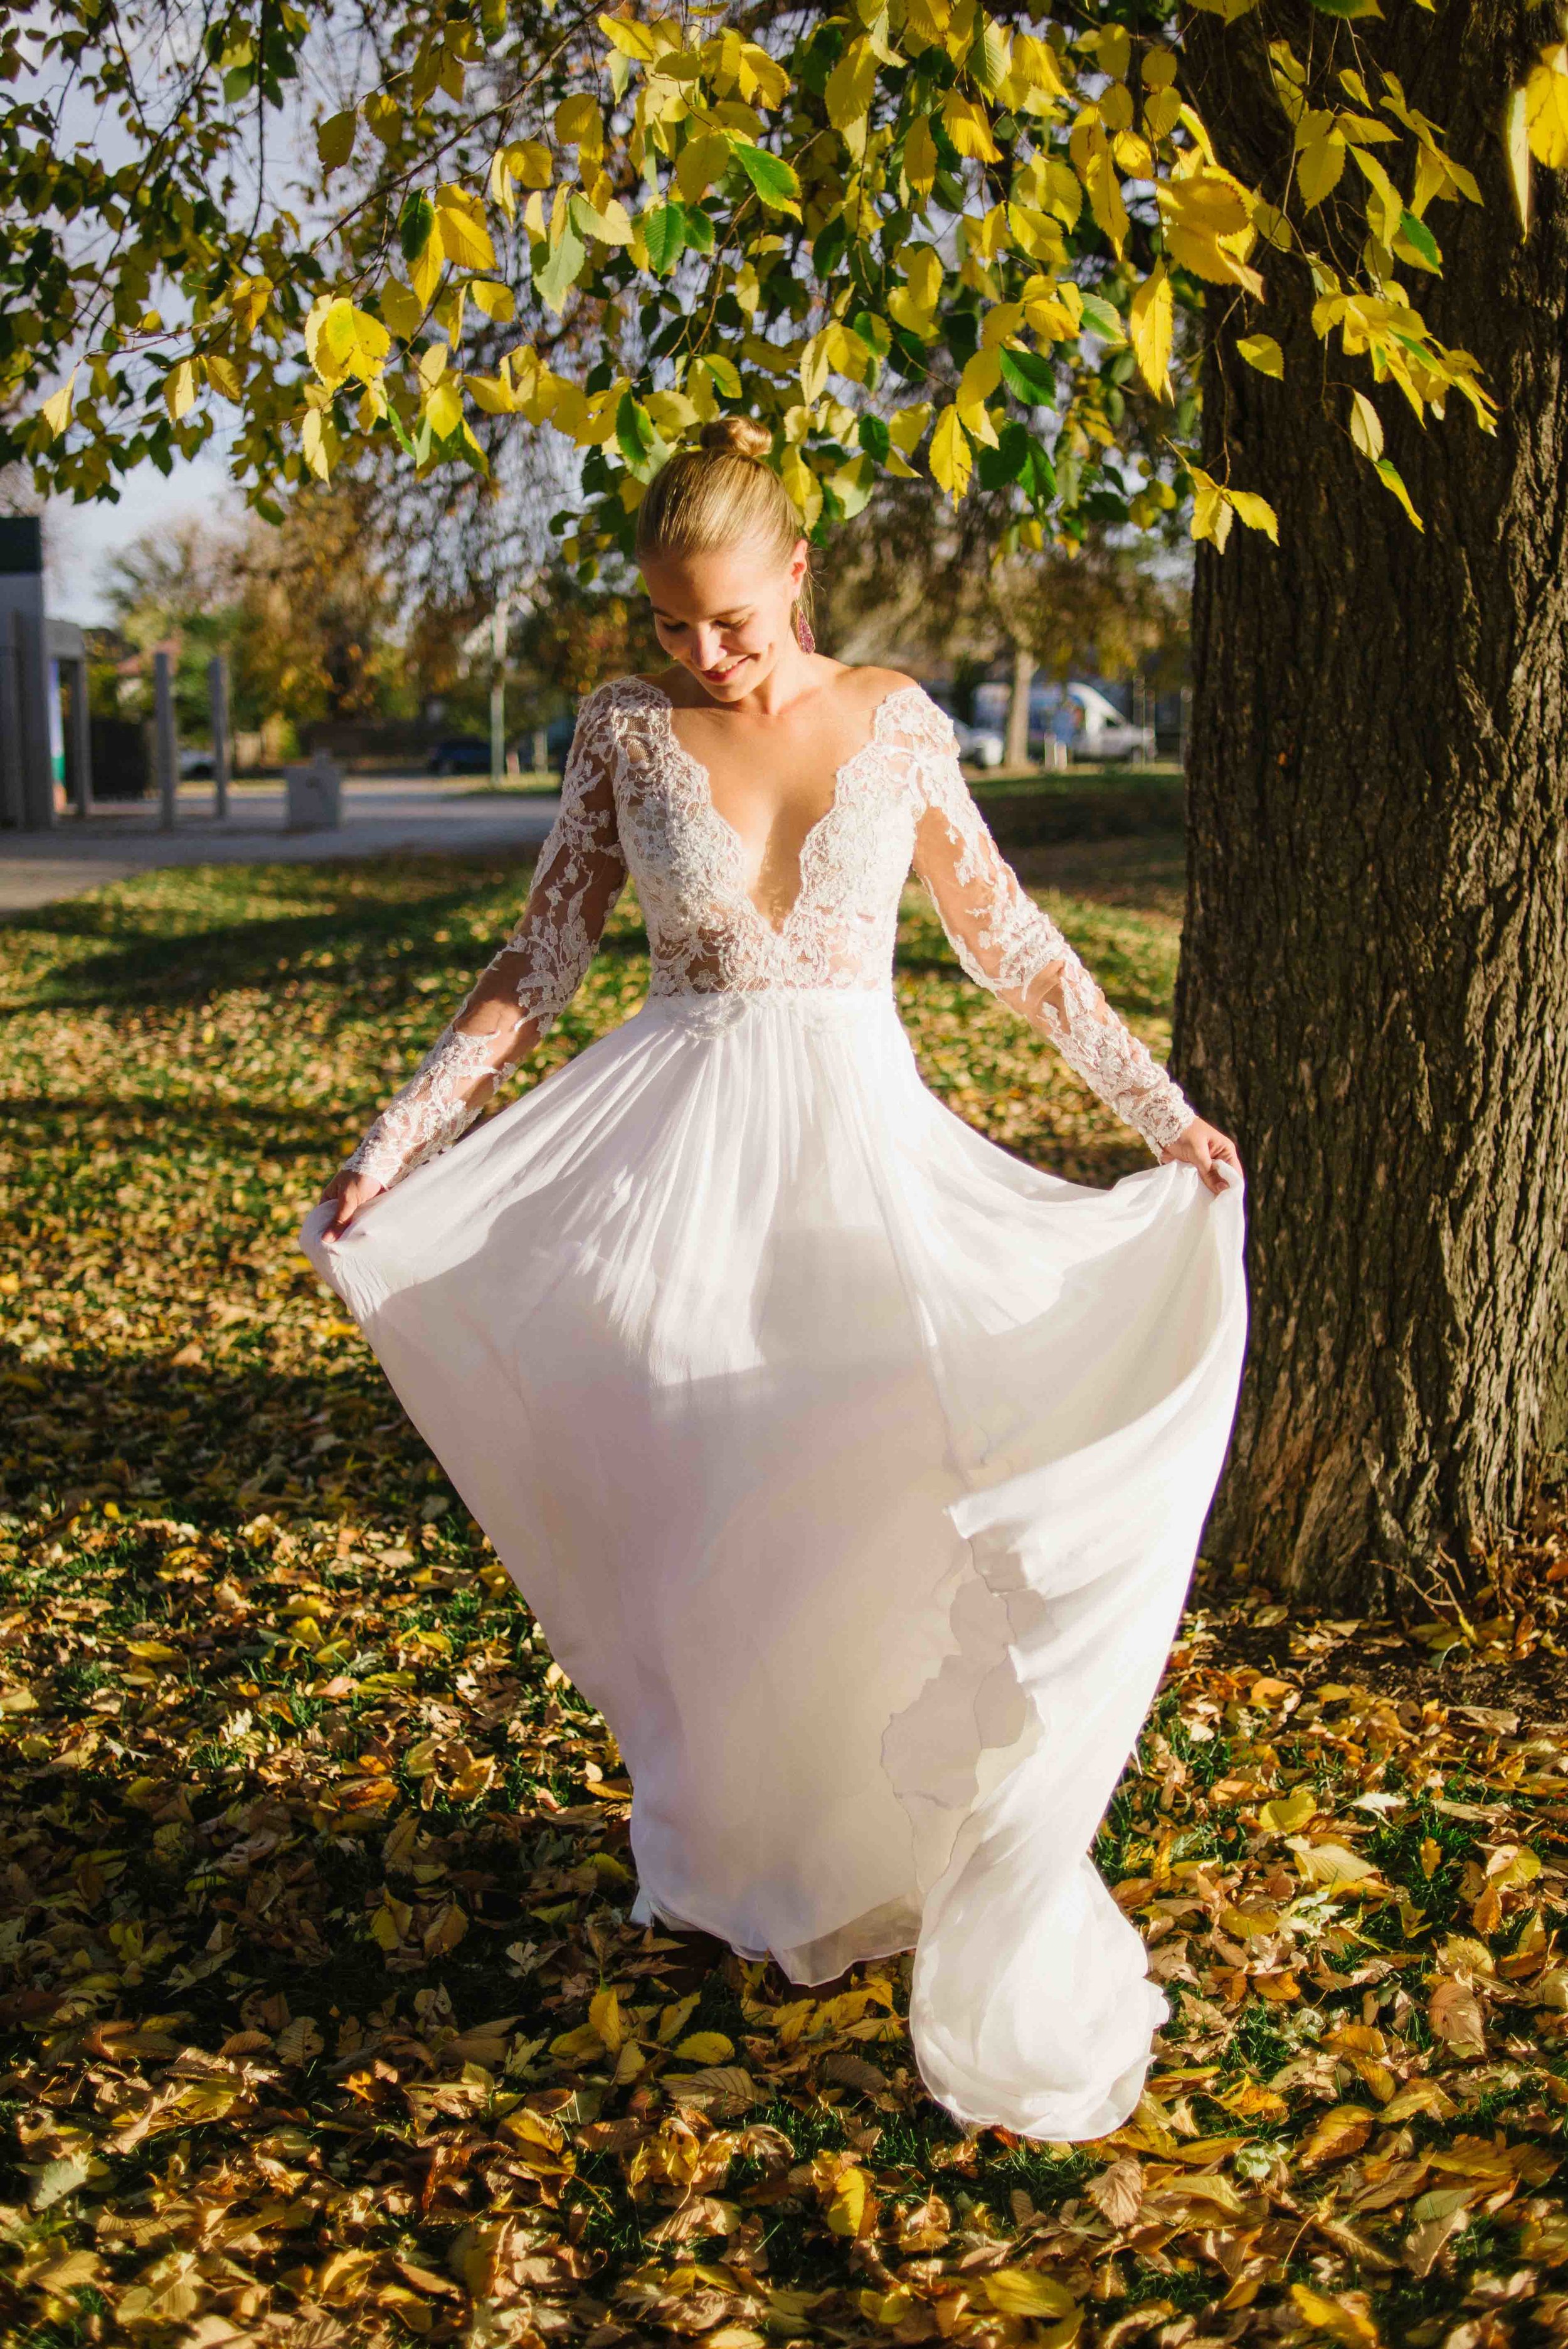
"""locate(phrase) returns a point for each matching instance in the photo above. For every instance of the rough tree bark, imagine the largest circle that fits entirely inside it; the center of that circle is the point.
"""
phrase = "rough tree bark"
(1374, 986)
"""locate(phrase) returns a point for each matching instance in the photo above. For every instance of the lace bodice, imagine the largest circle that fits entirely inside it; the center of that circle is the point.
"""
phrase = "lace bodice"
(633, 799)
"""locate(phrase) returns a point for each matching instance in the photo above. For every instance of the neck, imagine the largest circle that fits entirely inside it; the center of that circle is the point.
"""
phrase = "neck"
(789, 677)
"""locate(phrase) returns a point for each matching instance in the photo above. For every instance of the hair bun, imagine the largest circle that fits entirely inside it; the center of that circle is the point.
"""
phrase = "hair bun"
(735, 436)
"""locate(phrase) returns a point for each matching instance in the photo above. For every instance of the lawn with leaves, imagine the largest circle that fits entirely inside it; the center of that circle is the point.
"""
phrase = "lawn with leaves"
(323, 2021)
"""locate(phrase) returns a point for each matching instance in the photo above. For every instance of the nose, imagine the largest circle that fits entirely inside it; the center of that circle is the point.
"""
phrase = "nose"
(709, 644)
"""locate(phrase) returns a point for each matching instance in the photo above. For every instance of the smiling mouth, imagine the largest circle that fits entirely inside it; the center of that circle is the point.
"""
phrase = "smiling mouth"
(717, 676)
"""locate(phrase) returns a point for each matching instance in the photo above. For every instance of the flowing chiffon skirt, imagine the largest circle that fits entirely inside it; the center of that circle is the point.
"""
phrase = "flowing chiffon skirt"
(855, 1471)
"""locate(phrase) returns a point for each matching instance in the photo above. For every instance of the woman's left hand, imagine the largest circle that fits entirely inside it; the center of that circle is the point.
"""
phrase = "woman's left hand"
(1206, 1148)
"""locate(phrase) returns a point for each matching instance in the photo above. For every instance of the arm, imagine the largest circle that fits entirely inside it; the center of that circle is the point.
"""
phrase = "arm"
(1006, 943)
(579, 875)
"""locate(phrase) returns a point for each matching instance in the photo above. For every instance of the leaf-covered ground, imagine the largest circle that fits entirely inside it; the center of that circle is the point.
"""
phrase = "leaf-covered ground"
(322, 2020)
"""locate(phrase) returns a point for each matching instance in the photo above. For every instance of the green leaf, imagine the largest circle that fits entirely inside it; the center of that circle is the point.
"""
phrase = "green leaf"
(874, 437)
(1103, 320)
(1417, 234)
(664, 234)
(773, 178)
(1007, 462)
(634, 432)
(1028, 377)
(1347, 8)
(415, 222)
(557, 273)
(1039, 478)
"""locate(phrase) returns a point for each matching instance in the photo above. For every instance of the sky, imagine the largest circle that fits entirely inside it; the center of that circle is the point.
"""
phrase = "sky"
(80, 541)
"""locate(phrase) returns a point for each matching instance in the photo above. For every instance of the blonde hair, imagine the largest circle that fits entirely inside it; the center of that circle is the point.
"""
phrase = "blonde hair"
(720, 494)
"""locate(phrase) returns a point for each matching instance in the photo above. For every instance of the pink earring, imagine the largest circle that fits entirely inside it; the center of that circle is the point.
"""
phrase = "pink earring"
(803, 636)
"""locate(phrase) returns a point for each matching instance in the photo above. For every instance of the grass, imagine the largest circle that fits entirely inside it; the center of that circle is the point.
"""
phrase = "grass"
(313, 1872)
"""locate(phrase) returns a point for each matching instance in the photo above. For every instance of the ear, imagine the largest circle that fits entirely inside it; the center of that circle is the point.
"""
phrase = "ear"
(799, 560)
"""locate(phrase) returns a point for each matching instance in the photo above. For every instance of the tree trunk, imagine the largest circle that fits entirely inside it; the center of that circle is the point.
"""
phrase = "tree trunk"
(1374, 984)
(1018, 749)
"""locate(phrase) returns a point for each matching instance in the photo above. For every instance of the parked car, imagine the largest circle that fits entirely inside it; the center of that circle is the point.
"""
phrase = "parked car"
(983, 744)
(196, 766)
(460, 754)
(1107, 734)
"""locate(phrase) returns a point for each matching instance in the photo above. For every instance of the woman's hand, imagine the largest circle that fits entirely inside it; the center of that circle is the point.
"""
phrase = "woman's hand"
(1207, 1149)
(348, 1193)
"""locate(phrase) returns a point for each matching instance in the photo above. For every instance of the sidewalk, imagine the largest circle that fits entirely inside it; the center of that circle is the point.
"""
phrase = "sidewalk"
(380, 814)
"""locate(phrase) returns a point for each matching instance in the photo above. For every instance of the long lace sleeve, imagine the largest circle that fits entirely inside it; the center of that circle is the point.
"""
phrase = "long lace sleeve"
(1007, 944)
(579, 875)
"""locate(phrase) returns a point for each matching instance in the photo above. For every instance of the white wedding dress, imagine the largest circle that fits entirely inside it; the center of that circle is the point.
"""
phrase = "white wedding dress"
(853, 1469)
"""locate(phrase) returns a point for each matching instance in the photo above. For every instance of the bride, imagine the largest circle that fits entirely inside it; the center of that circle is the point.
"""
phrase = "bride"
(853, 1469)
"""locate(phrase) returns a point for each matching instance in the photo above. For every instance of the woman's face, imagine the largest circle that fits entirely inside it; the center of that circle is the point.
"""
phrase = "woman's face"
(726, 616)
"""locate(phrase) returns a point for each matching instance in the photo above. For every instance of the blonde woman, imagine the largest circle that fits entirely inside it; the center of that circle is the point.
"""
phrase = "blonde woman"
(852, 1468)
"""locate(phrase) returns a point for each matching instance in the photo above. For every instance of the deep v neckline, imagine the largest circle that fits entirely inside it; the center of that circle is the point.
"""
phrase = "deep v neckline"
(700, 774)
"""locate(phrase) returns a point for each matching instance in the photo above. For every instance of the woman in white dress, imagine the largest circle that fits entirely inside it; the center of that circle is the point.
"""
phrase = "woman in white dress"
(853, 1469)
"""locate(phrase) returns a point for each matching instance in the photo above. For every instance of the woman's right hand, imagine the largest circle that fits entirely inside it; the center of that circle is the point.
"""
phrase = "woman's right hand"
(348, 1193)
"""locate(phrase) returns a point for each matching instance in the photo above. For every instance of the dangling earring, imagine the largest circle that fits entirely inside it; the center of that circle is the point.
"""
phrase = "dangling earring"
(803, 636)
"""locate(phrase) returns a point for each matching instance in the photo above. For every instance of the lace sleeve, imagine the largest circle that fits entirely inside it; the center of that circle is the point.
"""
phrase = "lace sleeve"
(579, 875)
(1006, 943)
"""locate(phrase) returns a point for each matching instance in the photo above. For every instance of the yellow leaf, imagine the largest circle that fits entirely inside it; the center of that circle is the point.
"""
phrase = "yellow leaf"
(706, 2047)
(492, 393)
(1105, 198)
(578, 122)
(460, 219)
(703, 159)
(530, 164)
(1365, 426)
(443, 411)
(805, 490)
(1027, 2292)
(1258, 515)
(981, 376)
(55, 411)
(1339, 2133)
(495, 301)
(390, 1922)
(605, 2014)
(1151, 319)
(1288, 1813)
(1262, 351)
(968, 126)
(920, 155)
(151, 1651)
(1516, 152)
(852, 2209)
(1546, 108)
(179, 390)
(852, 85)
(1384, 205)
(1338, 2318)
(632, 40)
(425, 275)
(1318, 167)
(1212, 515)
(951, 458)
(335, 139)
(223, 376)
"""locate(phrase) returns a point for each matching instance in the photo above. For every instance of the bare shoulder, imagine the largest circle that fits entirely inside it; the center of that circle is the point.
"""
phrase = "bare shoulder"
(867, 687)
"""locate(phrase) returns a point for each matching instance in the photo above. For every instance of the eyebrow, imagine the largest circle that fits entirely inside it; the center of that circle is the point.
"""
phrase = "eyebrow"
(739, 611)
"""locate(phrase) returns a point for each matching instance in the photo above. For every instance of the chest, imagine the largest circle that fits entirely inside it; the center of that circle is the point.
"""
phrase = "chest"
(777, 856)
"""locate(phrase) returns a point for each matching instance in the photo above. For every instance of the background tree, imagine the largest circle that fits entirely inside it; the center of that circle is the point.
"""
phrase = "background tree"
(1375, 970)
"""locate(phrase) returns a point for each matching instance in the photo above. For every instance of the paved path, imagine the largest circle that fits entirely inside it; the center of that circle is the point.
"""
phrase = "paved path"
(380, 814)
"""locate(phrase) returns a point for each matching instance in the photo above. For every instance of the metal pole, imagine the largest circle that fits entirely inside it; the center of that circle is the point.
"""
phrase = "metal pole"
(79, 741)
(498, 691)
(218, 695)
(166, 744)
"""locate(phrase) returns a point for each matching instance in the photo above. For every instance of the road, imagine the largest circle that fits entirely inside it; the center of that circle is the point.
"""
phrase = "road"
(380, 813)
